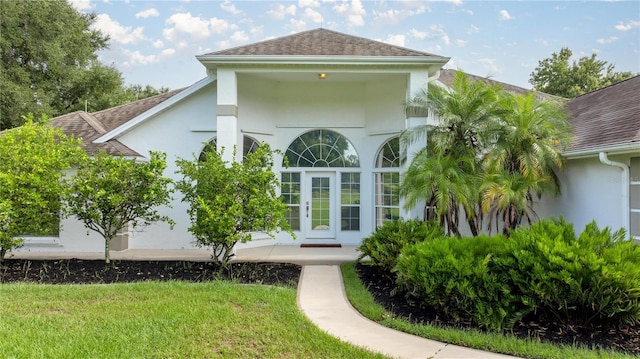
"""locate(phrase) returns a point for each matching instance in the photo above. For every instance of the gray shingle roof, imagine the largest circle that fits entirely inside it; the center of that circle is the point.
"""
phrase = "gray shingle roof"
(606, 117)
(320, 42)
(90, 126)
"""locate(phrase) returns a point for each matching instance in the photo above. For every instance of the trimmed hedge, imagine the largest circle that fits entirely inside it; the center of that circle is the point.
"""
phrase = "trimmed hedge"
(496, 281)
(384, 245)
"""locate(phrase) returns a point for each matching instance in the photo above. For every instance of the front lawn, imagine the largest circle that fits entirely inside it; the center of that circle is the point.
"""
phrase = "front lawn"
(160, 320)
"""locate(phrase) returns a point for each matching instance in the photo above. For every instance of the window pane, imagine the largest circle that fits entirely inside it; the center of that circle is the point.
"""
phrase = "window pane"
(350, 201)
(290, 191)
(321, 148)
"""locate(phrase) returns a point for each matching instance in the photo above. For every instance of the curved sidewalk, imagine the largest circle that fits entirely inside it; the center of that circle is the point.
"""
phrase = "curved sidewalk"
(322, 298)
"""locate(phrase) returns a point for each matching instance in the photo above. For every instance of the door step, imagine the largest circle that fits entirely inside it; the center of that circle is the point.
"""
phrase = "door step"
(321, 245)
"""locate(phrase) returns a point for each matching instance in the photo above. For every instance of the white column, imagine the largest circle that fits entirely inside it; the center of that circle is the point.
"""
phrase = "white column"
(417, 81)
(227, 115)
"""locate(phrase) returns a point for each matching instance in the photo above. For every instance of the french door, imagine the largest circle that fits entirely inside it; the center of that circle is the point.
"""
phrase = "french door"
(319, 208)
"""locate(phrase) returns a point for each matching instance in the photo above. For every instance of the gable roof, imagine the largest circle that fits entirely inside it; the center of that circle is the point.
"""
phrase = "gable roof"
(447, 76)
(320, 42)
(90, 126)
(608, 118)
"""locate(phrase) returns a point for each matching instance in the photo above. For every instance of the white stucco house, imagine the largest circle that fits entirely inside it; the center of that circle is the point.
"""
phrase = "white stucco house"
(332, 103)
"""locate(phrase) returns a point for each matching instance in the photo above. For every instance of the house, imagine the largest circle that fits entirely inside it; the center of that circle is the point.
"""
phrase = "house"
(601, 180)
(333, 104)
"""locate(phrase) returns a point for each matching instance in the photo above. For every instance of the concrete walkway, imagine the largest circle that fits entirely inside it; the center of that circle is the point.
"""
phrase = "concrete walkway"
(321, 296)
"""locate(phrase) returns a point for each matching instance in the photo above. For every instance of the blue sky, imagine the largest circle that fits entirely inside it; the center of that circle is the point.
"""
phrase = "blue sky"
(155, 42)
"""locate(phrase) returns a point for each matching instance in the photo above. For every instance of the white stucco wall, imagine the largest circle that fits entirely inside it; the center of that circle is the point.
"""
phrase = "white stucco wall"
(590, 191)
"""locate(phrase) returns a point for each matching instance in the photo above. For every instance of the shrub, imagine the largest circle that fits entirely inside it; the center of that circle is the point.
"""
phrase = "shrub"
(454, 275)
(384, 245)
(595, 277)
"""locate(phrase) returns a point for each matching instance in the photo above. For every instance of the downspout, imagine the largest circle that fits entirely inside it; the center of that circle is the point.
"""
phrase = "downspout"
(604, 159)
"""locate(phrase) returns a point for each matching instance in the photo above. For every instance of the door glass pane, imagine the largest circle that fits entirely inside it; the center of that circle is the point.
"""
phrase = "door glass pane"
(320, 203)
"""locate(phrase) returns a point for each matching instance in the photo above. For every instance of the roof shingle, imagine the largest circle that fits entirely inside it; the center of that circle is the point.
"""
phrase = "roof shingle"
(320, 42)
(605, 117)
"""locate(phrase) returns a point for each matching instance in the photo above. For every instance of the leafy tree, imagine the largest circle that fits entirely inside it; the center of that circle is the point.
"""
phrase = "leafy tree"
(523, 157)
(34, 157)
(228, 201)
(48, 63)
(108, 193)
(467, 116)
(557, 76)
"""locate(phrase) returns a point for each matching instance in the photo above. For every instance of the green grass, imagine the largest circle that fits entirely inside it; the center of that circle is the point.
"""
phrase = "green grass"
(362, 300)
(160, 320)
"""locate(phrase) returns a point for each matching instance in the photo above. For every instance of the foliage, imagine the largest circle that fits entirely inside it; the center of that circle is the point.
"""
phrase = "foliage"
(34, 157)
(49, 63)
(592, 278)
(384, 245)
(556, 76)
(467, 116)
(495, 281)
(491, 152)
(363, 301)
(228, 201)
(108, 193)
(454, 275)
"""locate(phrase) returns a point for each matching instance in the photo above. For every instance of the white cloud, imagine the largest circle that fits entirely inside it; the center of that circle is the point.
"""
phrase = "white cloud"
(239, 36)
(196, 28)
(542, 42)
(504, 15)
(152, 12)
(136, 58)
(118, 33)
(607, 41)
(279, 11)
(168, 52)
(473, 29)
(628, 26)
(397, 40)
(82, 5)
(394, 16)
(461, 43)
(491, 65)
(297, 25)
(354, 12)
(158, 44)
(391, 16)
(230, 8)
(312, 15)
(418, 34)
(308, 3)
(256, 30)
(433, 32)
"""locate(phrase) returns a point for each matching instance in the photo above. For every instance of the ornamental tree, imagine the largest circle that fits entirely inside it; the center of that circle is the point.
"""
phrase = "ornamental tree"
(33, 159)
(228, 201)
(108, 193)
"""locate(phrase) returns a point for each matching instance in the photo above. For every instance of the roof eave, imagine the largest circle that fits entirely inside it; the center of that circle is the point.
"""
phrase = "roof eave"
(614, 149)
(212, 61)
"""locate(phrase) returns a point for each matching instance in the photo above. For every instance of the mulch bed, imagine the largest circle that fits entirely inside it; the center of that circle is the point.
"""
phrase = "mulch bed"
(381, 284)
(78, 271)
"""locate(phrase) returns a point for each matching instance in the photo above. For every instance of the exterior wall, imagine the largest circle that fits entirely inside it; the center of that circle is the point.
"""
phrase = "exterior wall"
(590, 191)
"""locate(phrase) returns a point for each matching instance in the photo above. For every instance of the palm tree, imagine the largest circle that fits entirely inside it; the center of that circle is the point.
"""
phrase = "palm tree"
(467, 123)
(521, 161)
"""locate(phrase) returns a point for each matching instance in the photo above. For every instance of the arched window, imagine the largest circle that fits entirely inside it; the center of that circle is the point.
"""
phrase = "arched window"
(322, 148)
(387, 181)
(249, 145)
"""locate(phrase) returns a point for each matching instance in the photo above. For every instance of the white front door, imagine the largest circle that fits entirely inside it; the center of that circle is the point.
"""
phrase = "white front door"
(319, 206)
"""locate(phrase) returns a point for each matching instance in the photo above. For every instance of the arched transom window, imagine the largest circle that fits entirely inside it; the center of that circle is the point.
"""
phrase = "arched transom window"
(322, 148)
(249, 145)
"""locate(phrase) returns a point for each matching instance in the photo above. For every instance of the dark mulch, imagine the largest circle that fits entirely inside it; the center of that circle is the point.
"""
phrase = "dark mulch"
(79, 271)
(381, 285)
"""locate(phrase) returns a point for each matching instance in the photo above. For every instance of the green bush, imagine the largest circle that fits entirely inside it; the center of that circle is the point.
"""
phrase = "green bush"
(592, 278)
(384, 245)
(454, 276)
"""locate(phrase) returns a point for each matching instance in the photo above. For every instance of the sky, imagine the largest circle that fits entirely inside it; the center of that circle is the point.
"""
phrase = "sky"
(155, 42)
